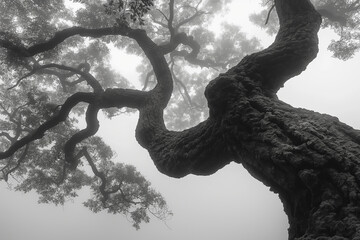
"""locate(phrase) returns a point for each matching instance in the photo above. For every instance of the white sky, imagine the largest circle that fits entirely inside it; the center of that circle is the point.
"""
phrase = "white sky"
(227, 205)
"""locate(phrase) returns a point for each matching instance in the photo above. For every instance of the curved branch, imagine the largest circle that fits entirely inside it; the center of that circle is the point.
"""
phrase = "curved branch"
(90, 79)
(62, 35)
(180, 84)
(147, 79)
(268, 15)
(295, 46)
(18, 163)
(100, 175)
(189, 19)
(192, 17)
(171, 17)
(183, 38)
(153, 52)
(52, 122)
(92, 126)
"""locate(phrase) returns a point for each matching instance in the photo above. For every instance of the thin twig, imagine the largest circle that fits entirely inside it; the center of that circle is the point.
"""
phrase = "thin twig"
(268, 15)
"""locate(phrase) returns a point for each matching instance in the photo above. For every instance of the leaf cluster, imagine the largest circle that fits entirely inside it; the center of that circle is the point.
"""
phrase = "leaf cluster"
(133, 10)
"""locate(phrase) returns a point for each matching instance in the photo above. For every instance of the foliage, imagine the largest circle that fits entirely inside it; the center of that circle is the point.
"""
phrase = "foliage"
(38, 88)
(135, 9)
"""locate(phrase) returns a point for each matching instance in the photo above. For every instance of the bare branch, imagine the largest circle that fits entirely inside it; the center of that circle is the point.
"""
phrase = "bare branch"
(182, 85)
(25, 76)
(62, 35)
(91, 128)
(167, 19)
(189, 19)
(18, 163)
(160, 23)
(147, 78)
(268, 15)
(90, 79)
(97, 173)
(7, 135)
(171, 18)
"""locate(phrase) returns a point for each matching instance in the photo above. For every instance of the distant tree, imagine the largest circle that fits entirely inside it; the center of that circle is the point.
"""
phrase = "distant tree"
(56, 68)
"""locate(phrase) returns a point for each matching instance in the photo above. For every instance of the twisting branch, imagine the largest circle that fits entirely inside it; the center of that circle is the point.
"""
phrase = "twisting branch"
(189, 19)
(93, 82)
(19, 126)
(18, 163)
(103, 186)
(197, 13)
(91, 128)
(179, 83)
(268, 15)
(7, 136)
(147, 79)
(62, 35)
(52, 122)
(99, 174)
(171, 18)
(191, 57)
(160, 23)
(23, 77)
(295, 46)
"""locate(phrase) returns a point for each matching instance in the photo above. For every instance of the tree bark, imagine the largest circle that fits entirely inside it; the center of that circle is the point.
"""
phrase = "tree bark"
(311, 160)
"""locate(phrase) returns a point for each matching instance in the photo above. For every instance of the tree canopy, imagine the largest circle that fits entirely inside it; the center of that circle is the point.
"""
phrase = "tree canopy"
(56, 68)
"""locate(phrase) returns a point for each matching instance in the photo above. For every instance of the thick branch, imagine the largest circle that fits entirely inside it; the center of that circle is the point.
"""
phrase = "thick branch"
(295, 46)
(92, 126)
(62, 35)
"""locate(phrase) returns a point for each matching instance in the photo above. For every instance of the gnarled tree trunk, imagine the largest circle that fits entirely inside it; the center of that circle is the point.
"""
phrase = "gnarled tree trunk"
(311, 160)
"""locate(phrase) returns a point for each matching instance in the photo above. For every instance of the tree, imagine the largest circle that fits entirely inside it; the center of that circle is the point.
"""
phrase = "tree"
(309, 159)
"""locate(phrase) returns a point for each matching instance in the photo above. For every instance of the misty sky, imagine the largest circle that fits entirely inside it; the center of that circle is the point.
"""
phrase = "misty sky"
(227, 205)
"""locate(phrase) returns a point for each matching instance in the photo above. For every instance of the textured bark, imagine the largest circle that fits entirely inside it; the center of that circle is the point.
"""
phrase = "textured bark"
(311, 160)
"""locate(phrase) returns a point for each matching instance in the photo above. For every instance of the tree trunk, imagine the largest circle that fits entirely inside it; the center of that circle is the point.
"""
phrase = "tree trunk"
(311, 160)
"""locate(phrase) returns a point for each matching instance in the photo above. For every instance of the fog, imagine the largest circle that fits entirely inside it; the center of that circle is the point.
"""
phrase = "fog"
(229, 204)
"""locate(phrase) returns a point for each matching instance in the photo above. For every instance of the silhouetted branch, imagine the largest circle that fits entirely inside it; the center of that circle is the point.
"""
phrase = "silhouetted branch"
(268, 15)
(147, 79)
(171, 18)
(87, 76)
(189, 19)
(97, 173)
(62, 35)
(18, 163)
(197, 13)
(167, 19)
(52, 122)
(92, 126)
(180, 84)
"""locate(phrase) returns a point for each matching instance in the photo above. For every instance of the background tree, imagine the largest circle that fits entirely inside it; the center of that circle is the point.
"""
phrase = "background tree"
(289, 149)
